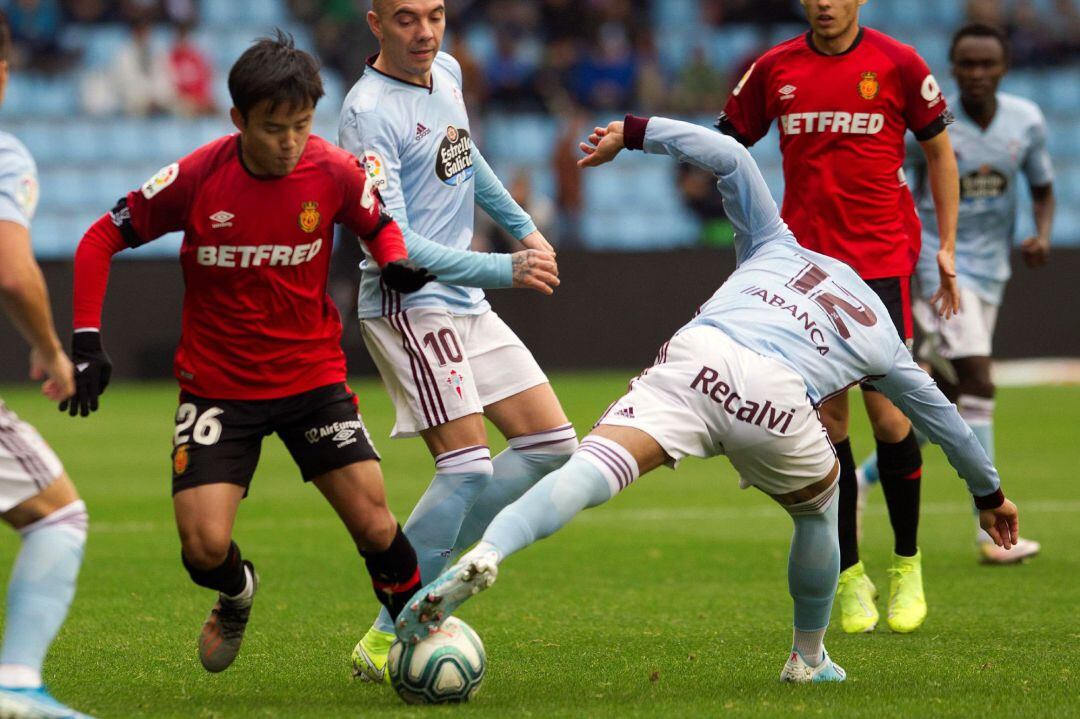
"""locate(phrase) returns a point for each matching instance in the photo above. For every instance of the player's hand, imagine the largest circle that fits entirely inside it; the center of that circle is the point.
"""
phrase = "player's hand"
(1035, 250)
(946, 301)
(535, 270)
(536, 241)
(405, 277)
(1002, 524)
(603, 145)
(93, 369)
(57, 372)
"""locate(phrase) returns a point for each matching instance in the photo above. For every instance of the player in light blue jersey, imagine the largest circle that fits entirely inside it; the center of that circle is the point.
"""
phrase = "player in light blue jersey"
(744, 378)
(37, 498)
(446, 359)
(996, 137)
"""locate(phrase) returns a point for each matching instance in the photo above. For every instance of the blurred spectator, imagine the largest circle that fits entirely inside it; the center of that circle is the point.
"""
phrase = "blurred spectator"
(763, 12)
(1028, 35)
(510, 74)
(569, 191)
(193, 75)
(987, 12)
(698, 188)
(535, 203)
(343, 40)
(604, 78)
(701, 87)
(35, 33)
(138, 81)
(180, 12)
(89, 11)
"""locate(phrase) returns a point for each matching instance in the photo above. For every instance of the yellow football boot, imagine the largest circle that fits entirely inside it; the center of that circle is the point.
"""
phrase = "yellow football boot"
(907, 604)
(369, 656)
(856, 594)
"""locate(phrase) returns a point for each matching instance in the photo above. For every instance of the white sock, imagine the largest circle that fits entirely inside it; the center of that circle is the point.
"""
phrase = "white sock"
(810, 645)
(17, 676)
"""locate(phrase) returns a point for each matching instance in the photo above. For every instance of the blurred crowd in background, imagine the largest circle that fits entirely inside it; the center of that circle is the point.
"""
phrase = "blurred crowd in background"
(574, 60)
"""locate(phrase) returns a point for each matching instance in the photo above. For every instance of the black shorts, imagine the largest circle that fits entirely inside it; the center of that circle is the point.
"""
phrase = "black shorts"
(219, 440)
(895, 294)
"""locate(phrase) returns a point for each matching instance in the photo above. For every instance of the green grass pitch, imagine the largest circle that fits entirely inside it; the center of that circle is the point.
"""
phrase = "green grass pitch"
(669, 601)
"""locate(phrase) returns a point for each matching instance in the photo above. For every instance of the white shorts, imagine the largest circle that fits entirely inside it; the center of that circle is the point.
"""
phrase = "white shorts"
(438, 367)
(27, 464)
(968, 334)
(709, 395)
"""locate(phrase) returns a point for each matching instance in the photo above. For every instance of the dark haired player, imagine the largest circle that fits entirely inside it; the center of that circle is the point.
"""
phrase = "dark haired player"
(996, 137)
(37, 499)
(844, 96)
(260, 349)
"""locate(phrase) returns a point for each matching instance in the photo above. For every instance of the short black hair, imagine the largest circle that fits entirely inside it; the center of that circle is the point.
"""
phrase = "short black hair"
(5, 37)
(978, 29)
(274, 69)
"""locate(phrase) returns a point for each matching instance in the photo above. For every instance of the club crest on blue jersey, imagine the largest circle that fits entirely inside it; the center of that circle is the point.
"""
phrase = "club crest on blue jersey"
(454, 164)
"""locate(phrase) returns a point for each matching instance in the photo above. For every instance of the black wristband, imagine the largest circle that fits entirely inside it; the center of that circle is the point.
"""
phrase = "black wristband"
(86, 341)
(990, 501)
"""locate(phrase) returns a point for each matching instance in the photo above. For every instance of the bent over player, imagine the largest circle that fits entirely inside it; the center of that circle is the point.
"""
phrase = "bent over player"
(260, 346)
(997, 136)
(445, 357)
(843, 97)
(37, 499)
(788, 329)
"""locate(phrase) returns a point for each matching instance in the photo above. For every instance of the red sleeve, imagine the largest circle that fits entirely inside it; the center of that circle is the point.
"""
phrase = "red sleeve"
(92, 261)
(746, 114)
(362, 212)
(925, 111)
(161, 205)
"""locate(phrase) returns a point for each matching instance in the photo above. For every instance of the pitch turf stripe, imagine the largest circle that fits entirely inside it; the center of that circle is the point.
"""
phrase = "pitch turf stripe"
(412, 367)
(426, 365)
(615, 469)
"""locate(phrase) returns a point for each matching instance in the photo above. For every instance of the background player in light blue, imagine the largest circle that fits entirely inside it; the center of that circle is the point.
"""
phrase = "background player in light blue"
(996, 137)
(446, 359)
(787, 330)
(37, 498)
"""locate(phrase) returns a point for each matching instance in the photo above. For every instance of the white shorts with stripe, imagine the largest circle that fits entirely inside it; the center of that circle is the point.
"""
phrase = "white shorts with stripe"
(708, 395)
(438, 366)
(27, 464)
(967, 334)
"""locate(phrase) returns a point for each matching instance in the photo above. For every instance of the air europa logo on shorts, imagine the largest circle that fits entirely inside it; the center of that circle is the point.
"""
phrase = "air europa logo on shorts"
(343, 432)
(454, 163)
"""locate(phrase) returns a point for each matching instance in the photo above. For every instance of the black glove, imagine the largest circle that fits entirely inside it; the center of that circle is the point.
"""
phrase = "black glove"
(405, 277)
(92, 372)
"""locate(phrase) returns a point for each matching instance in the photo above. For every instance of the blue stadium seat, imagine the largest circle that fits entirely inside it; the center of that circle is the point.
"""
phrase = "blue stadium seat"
(732, 44)
(670, 14)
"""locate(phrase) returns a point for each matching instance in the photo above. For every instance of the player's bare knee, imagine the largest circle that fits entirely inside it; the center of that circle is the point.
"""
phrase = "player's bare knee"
(205, 550)
(377, 533)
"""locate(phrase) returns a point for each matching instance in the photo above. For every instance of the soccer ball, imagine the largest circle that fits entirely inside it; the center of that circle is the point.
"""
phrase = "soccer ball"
(446, 667)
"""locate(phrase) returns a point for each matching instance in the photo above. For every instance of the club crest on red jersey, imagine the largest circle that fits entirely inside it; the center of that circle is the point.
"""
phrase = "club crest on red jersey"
(868, 86)
(309, 216)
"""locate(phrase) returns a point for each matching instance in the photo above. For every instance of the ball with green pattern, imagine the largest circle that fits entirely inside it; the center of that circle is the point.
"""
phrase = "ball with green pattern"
(446, 667)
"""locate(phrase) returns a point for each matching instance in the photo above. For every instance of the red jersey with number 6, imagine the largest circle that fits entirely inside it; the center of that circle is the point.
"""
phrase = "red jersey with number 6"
(257, 322)
(842, 120)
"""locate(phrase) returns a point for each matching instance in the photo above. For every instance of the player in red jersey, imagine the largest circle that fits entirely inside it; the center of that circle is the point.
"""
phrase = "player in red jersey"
(260, 350)
(843, 97)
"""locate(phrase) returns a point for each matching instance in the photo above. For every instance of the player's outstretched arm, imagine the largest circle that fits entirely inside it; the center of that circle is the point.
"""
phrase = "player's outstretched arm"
(916, 395)
(25, 300)
(944, 177)
(501, 207)
(747, 200)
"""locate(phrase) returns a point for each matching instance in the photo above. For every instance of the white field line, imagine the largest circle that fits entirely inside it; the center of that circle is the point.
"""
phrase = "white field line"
(612, 515)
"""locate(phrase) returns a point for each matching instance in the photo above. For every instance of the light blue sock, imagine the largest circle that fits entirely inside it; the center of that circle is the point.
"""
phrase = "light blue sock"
(517, 468)
(814, 565)
(593, 475)
(978, 412)
(42, 586)
(869, 467)
(433, 527)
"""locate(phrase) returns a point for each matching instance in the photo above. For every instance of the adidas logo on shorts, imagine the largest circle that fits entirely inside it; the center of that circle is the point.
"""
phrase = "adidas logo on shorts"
(627, 412)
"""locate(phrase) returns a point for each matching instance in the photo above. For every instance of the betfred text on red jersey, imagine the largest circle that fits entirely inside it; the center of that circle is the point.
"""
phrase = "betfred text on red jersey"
(257, 255)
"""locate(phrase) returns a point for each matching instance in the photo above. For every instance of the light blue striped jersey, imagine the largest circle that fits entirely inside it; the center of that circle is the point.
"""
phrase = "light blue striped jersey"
(18, 182)
(418, 150)
(990, 162)
(810, 311)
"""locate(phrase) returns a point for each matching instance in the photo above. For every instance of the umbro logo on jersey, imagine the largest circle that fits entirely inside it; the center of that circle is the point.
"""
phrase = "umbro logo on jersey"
(421, 131)
(222, 219)
(787, 92)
